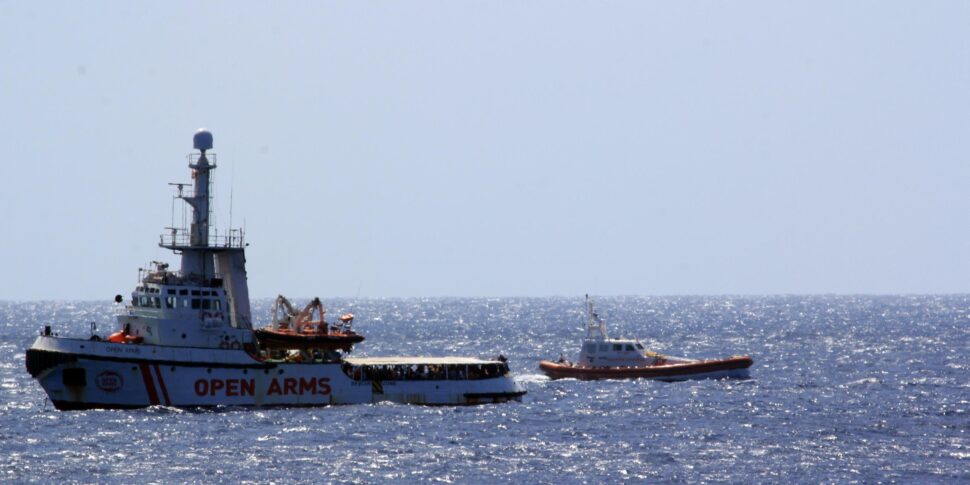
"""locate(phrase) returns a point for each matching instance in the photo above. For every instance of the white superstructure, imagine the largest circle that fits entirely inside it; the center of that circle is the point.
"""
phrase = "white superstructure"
(599, 350)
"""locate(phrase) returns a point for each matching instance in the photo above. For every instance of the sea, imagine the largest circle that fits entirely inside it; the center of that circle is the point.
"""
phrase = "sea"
(844, 389)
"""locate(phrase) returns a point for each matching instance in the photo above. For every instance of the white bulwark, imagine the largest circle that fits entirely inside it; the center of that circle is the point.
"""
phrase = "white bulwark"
(186, 339)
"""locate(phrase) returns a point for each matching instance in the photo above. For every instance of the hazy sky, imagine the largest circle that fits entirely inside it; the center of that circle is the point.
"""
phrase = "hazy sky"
(494, 148)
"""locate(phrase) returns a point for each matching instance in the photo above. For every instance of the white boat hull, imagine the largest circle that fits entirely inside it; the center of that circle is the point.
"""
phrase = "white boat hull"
(83, 374)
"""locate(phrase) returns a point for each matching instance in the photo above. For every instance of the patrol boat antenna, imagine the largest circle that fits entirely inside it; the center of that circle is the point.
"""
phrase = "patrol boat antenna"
(594, 324)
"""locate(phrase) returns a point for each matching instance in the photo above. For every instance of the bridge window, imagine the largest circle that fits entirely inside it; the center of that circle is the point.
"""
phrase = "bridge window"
(604, 347)
(629, 348)
(639, 346)
(183, 292)
(617, 347)
(590, 348)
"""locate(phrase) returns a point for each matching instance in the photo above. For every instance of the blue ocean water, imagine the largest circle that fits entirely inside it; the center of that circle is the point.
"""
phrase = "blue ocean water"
(844, 389)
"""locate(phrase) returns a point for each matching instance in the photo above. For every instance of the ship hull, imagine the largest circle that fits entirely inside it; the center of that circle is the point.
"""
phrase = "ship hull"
(733, 367)
(82, 374)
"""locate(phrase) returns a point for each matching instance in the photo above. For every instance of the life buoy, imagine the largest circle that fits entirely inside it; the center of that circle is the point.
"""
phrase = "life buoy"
(223, 345)
(235, 345)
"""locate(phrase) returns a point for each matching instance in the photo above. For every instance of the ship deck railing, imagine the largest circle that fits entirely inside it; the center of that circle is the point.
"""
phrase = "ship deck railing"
(425, 372)
(182, 238)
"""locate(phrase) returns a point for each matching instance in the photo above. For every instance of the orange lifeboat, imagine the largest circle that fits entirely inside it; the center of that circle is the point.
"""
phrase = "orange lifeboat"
(307, 329)
(122, 337)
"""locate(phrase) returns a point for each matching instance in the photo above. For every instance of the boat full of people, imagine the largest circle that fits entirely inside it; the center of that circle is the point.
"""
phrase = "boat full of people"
(186, 339)
(602, 357)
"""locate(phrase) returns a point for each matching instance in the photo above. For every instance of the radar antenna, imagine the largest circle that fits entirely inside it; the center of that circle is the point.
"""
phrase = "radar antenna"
(593, 321)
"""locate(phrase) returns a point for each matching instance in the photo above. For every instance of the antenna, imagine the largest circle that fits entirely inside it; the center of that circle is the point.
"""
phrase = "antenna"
(179, 187)
(357, 296)
(593, 321)
(232, 186)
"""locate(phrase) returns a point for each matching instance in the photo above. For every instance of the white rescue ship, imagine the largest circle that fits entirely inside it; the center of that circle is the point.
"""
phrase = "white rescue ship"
(187, 339)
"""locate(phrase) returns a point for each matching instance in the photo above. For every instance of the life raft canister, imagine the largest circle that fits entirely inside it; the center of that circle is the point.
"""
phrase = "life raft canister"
(121, 337)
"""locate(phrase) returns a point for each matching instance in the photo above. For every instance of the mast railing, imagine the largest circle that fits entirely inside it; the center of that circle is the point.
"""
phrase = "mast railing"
(194, 158)
(181, 237)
